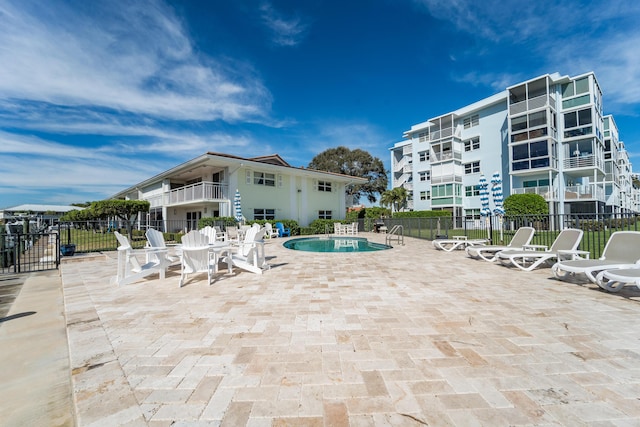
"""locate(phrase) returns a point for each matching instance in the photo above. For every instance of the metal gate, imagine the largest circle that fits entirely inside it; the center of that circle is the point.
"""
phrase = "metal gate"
(29, 252)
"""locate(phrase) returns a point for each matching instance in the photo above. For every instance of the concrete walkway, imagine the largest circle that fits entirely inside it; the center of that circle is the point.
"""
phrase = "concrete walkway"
(409, 336)
(34, 360)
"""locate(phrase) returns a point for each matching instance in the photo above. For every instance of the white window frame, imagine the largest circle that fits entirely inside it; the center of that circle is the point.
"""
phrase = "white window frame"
(325, 186)
(472, 144)
(472, 167)
(264, 214)
(471, 121)
(264, 178)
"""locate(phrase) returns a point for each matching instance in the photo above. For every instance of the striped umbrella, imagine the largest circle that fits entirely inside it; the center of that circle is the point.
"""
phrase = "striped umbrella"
(496, 192)
(484, 196)
(237, 205)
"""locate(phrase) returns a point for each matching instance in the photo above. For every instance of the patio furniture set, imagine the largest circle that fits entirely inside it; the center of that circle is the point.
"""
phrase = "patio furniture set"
(201, 251)
(618, 266)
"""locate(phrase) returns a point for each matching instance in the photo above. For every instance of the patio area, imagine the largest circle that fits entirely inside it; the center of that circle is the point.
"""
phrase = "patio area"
(407, 336)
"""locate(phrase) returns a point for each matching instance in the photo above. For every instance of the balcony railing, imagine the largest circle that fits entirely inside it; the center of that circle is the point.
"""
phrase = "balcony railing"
(442, 157)
(584, 192)
(585, 161)
(441, 179)
(202, 191)
(545, 191)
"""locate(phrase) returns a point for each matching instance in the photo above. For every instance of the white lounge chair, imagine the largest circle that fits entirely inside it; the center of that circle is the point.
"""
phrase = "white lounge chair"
(567, 241)
(521, 238)
(459, 242)
(621, 251)
(249, 254)
(614, 280)
(198, 256)
(130, 269)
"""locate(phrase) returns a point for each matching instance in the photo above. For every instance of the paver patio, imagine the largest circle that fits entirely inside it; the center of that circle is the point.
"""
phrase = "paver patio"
(408, 336)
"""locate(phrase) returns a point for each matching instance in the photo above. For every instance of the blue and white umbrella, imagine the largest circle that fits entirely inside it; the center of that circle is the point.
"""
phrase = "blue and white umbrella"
(496, 192)
(237, 206)
(484, 196)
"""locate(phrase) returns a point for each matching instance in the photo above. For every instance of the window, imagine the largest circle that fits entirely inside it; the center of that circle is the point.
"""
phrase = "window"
(266, 214)
(425, 176)
(324, 214)
(472, 144)
(577, 123)
(472, 213)
(471, 121)
(472, 190)
(266, 179)
(473, 167)
(324, 186)
(530, 156)
(424, 156)
(423, 195)
(423, 137)
(428, 195)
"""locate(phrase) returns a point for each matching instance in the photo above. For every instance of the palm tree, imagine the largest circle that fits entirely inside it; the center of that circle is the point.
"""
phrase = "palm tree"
(396, 198)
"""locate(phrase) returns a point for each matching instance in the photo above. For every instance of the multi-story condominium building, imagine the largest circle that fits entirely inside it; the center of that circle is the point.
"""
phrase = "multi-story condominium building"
(546, 136)
(269, 187)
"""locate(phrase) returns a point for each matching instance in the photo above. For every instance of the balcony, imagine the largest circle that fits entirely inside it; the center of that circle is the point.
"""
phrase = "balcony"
(582, 161)
(584, 192)
(531, 104)
(445, 179)
(200, 192)
(547, 192)
(445, 156)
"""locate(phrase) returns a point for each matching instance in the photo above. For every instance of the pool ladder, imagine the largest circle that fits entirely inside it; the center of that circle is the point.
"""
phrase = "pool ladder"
(396, 233)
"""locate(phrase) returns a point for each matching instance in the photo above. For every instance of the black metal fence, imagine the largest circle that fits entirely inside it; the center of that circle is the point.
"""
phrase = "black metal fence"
(499, 230)
(24, 252)
(29, 252)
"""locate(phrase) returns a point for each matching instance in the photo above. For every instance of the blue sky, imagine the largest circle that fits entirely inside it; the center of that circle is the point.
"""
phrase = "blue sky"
(96, 96)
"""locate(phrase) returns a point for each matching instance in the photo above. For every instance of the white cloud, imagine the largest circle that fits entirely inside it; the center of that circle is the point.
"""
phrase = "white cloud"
(125, 56)
(571, 37)
(285, 31)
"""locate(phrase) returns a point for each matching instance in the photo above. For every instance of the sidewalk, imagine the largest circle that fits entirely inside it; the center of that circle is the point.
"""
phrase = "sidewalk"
(34, 361)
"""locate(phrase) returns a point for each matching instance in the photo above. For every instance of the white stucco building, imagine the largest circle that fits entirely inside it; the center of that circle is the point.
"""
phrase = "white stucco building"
(269, 187)
(547, 135)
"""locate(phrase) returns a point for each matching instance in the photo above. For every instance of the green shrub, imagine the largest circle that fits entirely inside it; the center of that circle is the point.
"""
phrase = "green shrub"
(525, 204)
(422, 214)
(220, 221)
(322, 226)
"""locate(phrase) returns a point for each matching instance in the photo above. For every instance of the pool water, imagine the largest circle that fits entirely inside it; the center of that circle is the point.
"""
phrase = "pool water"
(334, 244)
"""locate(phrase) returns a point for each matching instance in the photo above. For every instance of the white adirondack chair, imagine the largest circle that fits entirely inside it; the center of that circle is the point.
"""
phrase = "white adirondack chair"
(269, 231)
(196, 256)
(210, 232)
(155, 240)
(249, 254)
(129, 267)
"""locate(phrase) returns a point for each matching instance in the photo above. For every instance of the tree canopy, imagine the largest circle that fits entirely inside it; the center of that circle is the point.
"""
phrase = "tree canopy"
(397, 198)
(354, 163)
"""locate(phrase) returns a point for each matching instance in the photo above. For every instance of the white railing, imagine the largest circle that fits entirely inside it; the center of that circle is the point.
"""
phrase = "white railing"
(584, 192)
(400, 165)
(587, 161)
(530, 104)
(449, 155)
(440, 179)
(199, 191)
(547, 192)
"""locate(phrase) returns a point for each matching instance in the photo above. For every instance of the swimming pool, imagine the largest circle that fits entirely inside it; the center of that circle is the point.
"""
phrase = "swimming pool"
(334, 244)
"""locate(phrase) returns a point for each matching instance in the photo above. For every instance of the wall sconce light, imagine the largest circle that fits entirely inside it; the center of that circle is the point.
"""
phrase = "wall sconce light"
(175, 211)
